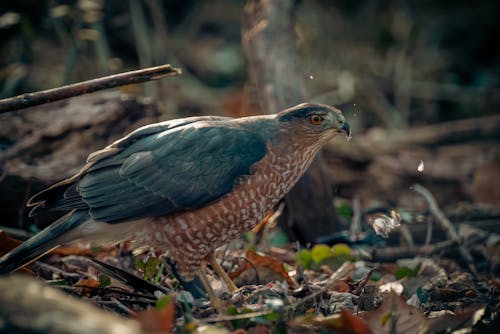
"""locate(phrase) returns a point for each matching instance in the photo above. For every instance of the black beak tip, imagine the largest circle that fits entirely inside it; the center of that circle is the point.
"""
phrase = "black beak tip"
(347, 129)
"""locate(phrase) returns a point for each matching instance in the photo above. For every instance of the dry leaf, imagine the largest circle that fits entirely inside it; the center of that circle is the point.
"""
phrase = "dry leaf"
(395, 311)
(261, 268)
(341, 323)
(340, 286)
(158, 321)
(88, 286)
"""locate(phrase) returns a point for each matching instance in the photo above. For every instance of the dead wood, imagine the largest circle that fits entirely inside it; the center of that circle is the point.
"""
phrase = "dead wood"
(52, 142)
(391, 254)
(269, 43)
(85, 87)
(28, 305)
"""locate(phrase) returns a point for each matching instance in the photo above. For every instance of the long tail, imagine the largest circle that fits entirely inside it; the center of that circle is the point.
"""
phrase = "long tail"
(41, 243)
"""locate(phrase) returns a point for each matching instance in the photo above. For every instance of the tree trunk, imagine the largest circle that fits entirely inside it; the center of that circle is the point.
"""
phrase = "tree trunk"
(269, 43)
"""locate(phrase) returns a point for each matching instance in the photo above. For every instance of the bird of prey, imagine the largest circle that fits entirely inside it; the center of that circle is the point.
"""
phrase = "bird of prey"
(185, 186)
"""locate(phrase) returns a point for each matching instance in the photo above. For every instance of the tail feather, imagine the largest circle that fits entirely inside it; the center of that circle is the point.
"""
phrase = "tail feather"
(43, 242)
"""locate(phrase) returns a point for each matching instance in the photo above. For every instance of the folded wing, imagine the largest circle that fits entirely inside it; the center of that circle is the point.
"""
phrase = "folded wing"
(159, 170)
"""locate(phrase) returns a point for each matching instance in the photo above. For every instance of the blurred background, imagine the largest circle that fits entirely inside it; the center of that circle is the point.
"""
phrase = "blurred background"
(418, 81)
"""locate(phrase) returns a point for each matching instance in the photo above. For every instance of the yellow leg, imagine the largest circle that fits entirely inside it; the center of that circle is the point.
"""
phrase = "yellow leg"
(208, 288)
(222, 274)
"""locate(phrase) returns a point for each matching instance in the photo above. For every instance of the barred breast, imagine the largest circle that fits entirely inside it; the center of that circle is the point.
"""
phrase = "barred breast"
(191, 236)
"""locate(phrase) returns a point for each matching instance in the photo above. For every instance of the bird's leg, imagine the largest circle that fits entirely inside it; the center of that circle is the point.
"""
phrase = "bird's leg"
(222, 274)
(214, 300)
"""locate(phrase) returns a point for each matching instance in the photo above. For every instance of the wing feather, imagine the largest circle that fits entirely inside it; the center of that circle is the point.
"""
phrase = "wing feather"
(175, 170)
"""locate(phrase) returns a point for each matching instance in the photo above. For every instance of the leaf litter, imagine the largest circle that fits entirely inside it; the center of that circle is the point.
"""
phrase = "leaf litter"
(374, 283)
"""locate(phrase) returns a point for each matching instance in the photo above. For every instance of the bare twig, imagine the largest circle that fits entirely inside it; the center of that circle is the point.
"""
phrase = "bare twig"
(355, 229)
(236, 316)
(428, 232)
(300, 270)
(406, 235)
(362, 283)
(85, 87)
(446, 225)
(120, 305)
(343, 271)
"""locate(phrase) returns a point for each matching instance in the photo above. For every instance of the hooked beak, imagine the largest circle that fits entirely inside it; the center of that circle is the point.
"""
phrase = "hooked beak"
(347, 129)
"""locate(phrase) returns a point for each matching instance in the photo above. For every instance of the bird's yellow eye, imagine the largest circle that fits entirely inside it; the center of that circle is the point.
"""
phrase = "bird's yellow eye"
(316, 119)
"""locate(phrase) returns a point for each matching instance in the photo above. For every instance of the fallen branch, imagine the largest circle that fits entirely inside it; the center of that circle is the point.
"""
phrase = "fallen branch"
(28, 305)
(85, 87)
(446, 225)
(390, 254)
(236, 316)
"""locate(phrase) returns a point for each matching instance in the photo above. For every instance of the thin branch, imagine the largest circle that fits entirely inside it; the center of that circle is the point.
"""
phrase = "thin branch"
(340, 273)
(85, 87)
(355, 229)
(236, 316)
(446, 225)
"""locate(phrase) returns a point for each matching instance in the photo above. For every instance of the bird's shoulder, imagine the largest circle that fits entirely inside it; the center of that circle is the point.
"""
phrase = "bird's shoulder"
(150, 130)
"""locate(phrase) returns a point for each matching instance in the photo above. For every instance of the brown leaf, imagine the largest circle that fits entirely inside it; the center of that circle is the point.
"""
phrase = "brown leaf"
(72, 250)
(450, 322)
(341, 323)
(84, 250)
(267, 269)
(158, 321)
(340, 286)
(407, 318)
(88, 286)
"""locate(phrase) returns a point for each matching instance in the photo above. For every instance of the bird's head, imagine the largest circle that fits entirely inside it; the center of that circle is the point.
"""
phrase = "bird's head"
(317, 122)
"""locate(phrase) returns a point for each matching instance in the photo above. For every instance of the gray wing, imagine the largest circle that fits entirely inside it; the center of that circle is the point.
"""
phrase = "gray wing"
(155, 173)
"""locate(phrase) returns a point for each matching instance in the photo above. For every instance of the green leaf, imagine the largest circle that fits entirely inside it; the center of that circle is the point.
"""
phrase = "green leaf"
(104, 281)
(249, 236)
(159, 274)
(273, 316)
(139, 264)
(239, 323)
(305, 258)
(375, 276)
(58, 282)
(341, 250)
(150, 267)
(95, 249)
(232, 310)
(404, 272)
(385, 318)
(344, 210)
(320, 253)
(162, 302)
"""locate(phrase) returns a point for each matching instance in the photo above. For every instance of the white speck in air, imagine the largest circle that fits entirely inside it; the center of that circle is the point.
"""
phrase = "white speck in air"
(420, 167)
